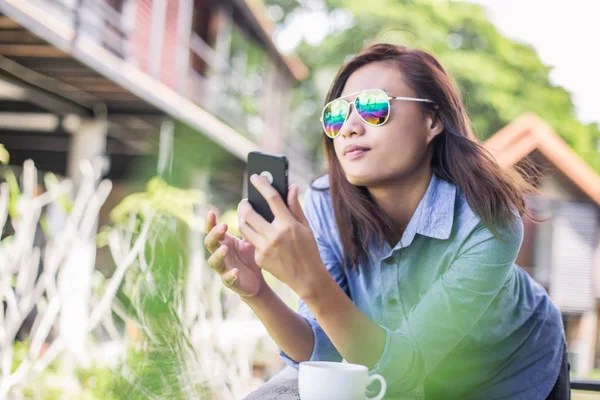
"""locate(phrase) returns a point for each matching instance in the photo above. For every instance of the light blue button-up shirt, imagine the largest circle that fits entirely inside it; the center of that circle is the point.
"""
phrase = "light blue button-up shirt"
(461, 318)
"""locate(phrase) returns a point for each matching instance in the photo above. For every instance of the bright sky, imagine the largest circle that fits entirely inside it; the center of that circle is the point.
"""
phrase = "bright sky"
(566, 35)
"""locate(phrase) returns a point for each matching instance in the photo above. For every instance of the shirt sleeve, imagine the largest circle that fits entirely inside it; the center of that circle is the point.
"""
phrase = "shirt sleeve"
(314, 209)
(451, 308)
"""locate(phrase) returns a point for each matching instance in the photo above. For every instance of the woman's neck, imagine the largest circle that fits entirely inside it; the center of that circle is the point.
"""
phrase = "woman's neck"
(400, 199)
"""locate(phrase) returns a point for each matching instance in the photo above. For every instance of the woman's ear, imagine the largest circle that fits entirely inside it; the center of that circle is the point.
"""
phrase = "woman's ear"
(434, 126)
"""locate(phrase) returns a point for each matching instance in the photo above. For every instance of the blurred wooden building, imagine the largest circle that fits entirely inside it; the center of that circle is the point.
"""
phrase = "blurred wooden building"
(562, 252)
(87, 78)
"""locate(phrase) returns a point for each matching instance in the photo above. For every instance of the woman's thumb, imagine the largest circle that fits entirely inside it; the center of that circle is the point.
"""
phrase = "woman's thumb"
(294, 204)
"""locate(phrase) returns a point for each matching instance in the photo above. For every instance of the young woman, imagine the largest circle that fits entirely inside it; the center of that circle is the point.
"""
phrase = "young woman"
(403, 257)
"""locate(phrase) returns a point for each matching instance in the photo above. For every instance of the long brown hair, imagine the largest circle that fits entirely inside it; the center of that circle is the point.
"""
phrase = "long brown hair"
(493, 193)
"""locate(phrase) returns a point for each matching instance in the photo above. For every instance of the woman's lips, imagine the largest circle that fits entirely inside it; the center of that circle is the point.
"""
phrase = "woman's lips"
(354, 154)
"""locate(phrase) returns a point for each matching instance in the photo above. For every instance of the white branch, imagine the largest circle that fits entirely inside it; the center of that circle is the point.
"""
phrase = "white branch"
(210, 362)
(104, 304)
(41, 333)
(53, 350)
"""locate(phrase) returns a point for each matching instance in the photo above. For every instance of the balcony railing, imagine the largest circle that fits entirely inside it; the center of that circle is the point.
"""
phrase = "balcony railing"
(585, 385)
(138, 50)
(142, 40)
(99, 20)
(226, 91)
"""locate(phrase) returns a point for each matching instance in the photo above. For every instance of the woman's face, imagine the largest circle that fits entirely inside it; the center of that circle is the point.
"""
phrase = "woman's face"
(396, 149)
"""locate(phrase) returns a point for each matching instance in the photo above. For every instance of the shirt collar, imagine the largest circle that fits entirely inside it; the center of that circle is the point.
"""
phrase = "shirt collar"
(434, 215)
(438, 209)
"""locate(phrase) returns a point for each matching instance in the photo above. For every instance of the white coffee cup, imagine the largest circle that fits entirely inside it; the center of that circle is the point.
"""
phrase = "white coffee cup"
(322, 380)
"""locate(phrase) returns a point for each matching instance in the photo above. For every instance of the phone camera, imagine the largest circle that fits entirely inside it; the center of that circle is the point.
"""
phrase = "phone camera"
(267, 175)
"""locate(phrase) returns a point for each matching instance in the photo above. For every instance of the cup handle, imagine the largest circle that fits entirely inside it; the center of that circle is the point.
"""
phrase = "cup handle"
(381, 380)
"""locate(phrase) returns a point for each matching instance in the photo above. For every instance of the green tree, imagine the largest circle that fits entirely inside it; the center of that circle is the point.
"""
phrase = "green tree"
(499, 78)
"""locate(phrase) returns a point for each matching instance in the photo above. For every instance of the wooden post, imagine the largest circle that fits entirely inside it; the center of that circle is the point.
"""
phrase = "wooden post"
(272, 138)
(128, 11)
(223, 41)
(184, 31)
(157, 34)
(165, 148)
(217, 73)
(88, 145)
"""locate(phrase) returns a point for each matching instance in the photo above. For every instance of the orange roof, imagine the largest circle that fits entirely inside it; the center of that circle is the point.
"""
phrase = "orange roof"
(528, 133)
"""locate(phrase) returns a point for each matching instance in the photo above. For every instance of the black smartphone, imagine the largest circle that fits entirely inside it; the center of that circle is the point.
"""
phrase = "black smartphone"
(274, 167)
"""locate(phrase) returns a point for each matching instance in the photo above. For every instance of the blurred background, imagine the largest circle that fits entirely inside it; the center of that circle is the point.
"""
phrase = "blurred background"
(123, 121)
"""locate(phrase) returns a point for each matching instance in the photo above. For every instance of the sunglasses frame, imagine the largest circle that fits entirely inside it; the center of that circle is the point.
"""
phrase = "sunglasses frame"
(388, 98)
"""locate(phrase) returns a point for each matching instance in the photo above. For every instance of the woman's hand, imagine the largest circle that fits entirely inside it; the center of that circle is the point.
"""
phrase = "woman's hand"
(286, 247)
(232, 259)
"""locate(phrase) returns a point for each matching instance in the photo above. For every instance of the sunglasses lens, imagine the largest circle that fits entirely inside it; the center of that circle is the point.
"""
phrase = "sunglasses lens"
(334, 115)
(373, 106)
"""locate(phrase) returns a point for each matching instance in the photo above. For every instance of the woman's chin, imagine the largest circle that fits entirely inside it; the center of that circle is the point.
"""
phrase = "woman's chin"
(359, 180)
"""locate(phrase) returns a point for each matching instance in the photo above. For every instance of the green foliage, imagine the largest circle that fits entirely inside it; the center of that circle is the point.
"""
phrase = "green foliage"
(4, 156)
(172, 204)
(93, 383)
(165, 365)
(52, 182)
(162, 198)
(161, 362)
(14, 193)
(499, 78)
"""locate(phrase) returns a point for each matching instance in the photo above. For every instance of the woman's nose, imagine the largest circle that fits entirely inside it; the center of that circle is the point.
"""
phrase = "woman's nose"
(353, 125)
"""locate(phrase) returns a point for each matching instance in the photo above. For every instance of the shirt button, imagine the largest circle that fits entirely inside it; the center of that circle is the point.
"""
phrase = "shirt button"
(392, 301)
(389, 261)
